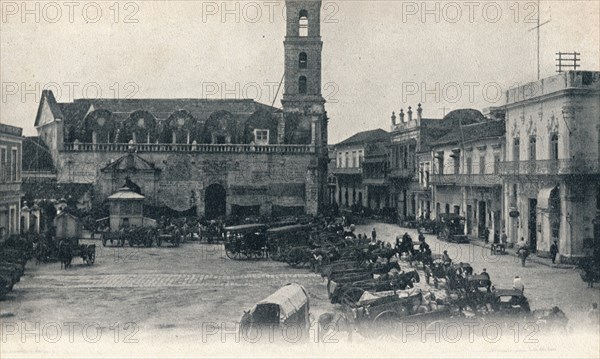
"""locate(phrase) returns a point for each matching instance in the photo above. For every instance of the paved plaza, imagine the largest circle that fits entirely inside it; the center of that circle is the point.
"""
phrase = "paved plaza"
(144, 300)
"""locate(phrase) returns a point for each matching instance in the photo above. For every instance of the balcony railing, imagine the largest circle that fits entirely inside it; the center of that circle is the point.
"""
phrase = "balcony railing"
(402, 173)
(200, 148)
(347, 171)
(550, 167)
(479, 180)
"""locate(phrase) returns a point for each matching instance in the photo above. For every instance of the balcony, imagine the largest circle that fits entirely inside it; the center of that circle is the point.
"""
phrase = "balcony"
(406, 173)
(550, 167)
(476, 180)
(194, 148)
(347, 171)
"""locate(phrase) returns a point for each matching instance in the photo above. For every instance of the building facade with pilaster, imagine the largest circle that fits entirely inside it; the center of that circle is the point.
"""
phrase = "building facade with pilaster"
(466, 177)
(552, 169)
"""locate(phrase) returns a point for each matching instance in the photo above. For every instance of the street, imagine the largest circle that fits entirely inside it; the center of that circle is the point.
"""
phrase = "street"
(146, 299)
(545, 287)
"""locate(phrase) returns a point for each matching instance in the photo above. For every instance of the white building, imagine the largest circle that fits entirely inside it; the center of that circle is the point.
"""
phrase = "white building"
(552, 172)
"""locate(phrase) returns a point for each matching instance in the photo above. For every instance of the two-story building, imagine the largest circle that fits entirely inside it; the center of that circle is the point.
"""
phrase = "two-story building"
(375, 171)
(408, 138)
(552, 172)
(349, 157)
(466, 177)
(10, 179)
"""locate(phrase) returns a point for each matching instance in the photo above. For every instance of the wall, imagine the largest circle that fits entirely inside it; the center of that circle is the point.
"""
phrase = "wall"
(249, 178)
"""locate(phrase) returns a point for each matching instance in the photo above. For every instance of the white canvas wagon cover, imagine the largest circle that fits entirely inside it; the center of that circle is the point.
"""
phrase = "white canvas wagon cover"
(290, 299)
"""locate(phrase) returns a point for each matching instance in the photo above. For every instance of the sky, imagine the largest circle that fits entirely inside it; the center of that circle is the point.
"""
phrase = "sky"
(378, 56)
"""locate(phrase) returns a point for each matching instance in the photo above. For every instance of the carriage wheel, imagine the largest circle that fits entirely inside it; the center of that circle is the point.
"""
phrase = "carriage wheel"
(385, 325)
(231, 254)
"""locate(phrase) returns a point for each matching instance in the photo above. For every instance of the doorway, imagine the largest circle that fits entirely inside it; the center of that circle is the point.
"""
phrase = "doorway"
(469, 219)
(214, 201)
(532, 224)
(481, 214)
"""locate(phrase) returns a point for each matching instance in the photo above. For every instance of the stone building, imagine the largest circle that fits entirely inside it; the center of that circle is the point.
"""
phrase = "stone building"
(349, 157)
(552, 172)
(465, 180)
(411, 135)
(231, 156)
(10, 179)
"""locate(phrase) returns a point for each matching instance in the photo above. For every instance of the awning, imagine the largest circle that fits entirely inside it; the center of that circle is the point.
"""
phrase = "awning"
(543, 198)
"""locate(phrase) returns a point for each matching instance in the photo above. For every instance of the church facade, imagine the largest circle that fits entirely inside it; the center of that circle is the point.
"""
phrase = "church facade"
(220, 157)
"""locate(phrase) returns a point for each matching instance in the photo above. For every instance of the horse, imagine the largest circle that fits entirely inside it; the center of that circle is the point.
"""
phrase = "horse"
(65, 254)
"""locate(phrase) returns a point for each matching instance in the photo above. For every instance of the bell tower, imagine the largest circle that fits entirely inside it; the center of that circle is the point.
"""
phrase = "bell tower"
(302, 100)
(303, 48)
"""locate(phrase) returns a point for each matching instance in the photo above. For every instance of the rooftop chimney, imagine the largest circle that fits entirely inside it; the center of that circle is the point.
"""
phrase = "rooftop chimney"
(419, 113)
(393, 118)
(409, 113)
(401, 115)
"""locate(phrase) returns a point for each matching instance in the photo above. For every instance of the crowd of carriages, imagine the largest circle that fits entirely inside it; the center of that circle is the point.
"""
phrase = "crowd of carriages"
(373, 279)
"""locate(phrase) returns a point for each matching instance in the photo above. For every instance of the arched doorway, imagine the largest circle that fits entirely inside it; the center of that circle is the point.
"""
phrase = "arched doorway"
(214, 201)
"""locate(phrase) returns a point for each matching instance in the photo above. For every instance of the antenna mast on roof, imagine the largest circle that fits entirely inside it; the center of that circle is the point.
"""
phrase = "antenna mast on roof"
(537, 27)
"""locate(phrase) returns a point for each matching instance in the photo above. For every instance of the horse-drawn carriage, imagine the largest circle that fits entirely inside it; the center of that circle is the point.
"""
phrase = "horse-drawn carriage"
(247, 241)
(170, 235)
(70, 247)
(138, 236)
(287, 308)
(285, 242)
(212, 232)
(115, 239)
(451, 228)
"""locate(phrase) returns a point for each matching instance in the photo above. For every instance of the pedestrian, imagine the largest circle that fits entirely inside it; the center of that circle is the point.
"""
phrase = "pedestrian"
(489, 282)
(486, 235)
(522, 251)
(594, 315)
(503, 241)
(553, 251)
(518, 284)
(421, 237)
(446, 258)
(374, 233)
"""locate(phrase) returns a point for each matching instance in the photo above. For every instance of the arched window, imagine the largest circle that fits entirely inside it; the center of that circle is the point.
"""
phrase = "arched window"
(532, 142)
(302, 84)
(302, 60)
(303, 24)
(516, 149)
(554, 146)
